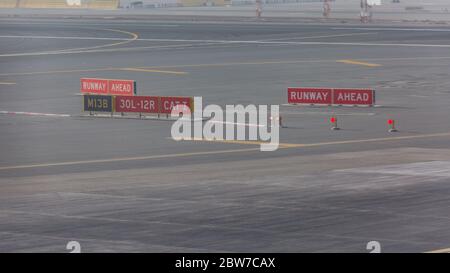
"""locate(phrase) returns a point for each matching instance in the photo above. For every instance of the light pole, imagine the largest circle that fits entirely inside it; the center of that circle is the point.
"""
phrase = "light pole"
(258, 8)
(326, 8)
(364, 12)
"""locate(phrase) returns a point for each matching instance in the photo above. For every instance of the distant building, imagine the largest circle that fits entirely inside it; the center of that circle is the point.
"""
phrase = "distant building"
(171, 3)
(95, 4)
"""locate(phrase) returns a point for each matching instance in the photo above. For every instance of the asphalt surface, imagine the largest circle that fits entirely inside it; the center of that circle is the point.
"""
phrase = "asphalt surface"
(124, 185)
(423, 11)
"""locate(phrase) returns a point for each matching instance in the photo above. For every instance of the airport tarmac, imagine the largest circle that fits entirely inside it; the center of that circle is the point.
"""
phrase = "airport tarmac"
(124, 185)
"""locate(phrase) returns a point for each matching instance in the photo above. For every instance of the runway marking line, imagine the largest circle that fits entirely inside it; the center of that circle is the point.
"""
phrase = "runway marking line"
(59, 71)
(123, 41)
(163, 67)
(89, 50)
(63, 37)
(306, 145)
(34, 114)
(7, 83)
(132, 69)
(133, 35)
(318, 36)
(371, 140)
(245, 142)
(153, 71)
(358, 63)
(82, 162)
(282, 146)
(237, 123)
(236, 63)
(393, 29)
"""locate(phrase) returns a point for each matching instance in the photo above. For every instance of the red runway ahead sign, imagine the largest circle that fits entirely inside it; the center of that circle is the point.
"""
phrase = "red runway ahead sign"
(108, 86)
(122, 87)
(329, 96)
(94, 86)
(353, 97)
(168, 103)
(310, 95)
(137, 104)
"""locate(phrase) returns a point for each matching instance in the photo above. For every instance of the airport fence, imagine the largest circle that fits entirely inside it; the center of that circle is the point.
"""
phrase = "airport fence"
(58, 4)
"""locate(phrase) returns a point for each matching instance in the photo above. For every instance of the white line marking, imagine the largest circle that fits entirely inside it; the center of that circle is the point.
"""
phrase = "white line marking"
(71, 24)
(323, 36)
(327, 113)
(237, 123)
(64, 37)
(34, 114)
(133, 37)
(153, 71)
(230, 42)
(393, 29)
(144, 39)
(295, 43)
